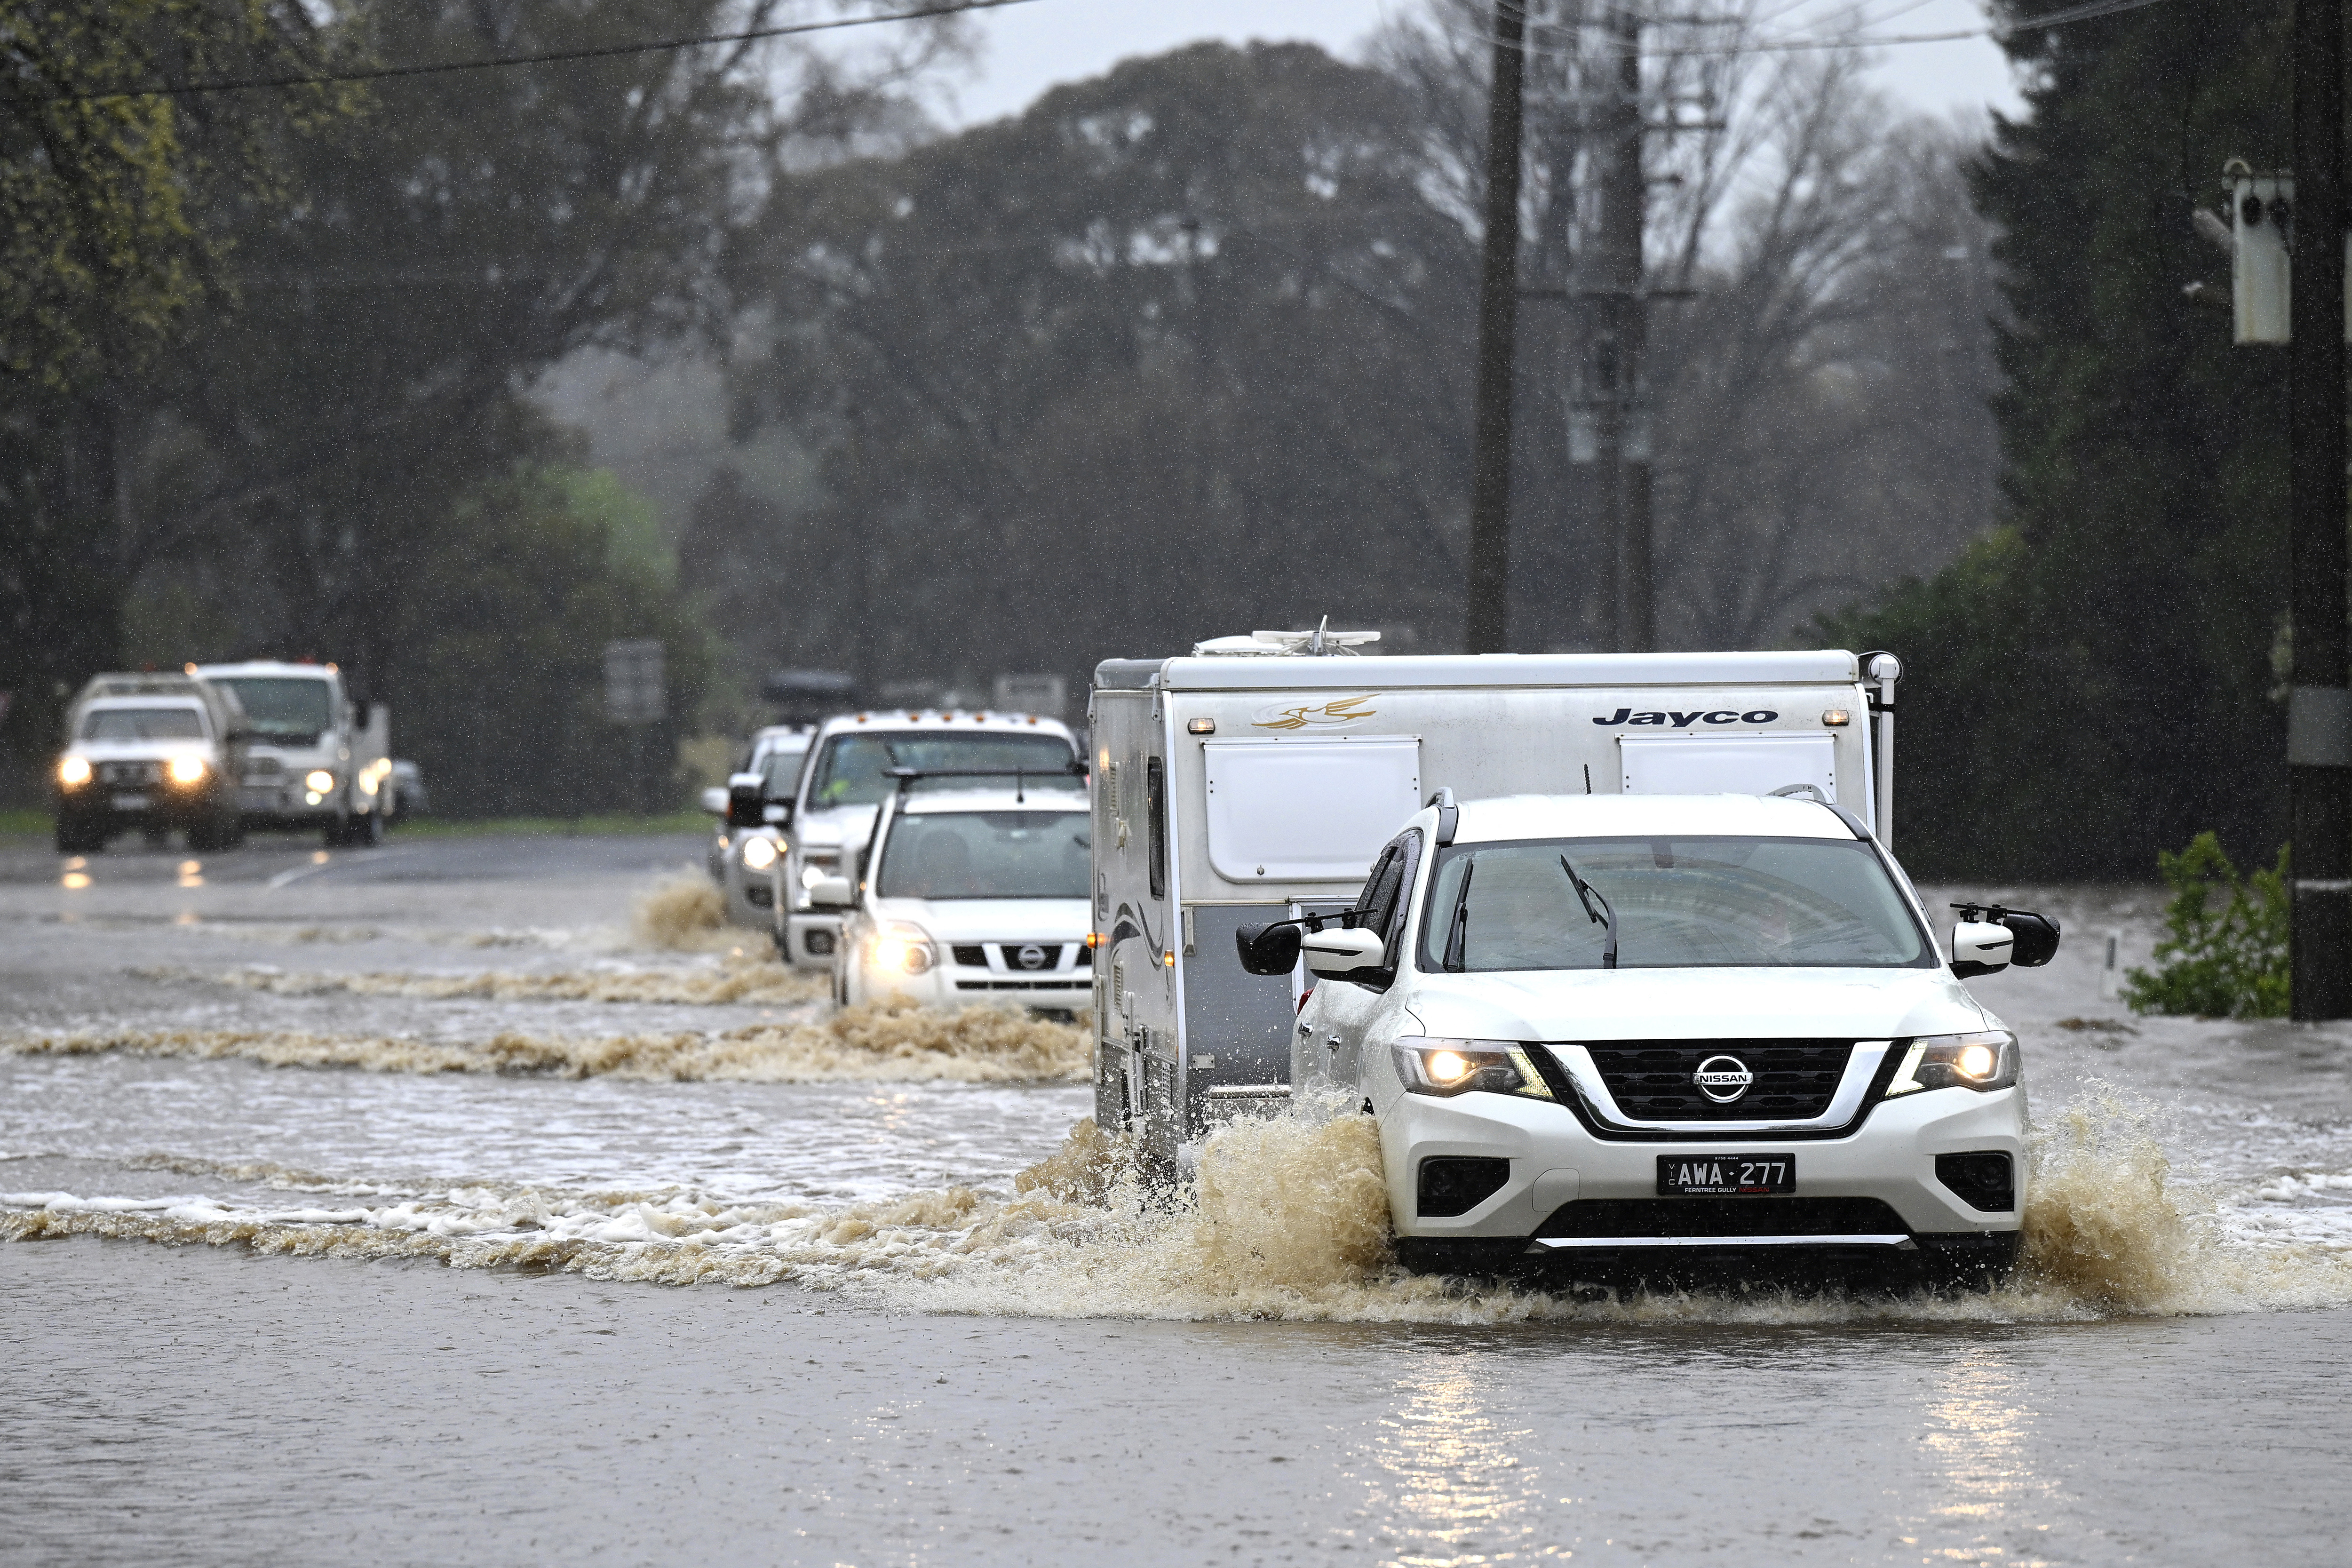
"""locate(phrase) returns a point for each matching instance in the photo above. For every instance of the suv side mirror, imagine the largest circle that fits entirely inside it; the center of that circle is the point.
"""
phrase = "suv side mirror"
(743, 801)
(1268, 949)
(1344, 950)
(714, 800)
(2034, 939)
(832, 893)
(2037, 937)
(1980, 947)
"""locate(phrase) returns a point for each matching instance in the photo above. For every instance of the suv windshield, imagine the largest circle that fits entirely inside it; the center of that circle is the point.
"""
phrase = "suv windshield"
(779, 772)
(985, 855)
(285, 707)
(1681, 903)
(143, 724)
(851, 771)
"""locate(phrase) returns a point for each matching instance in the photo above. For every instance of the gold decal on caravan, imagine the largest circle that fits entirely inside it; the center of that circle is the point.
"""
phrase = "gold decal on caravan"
(1300, 716)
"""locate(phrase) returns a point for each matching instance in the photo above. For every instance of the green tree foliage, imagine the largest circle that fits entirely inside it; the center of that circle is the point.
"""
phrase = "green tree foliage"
(517, 592)
(2095, 680)
(2225, 950)
(291, 463)
(1190, 333)
(104, 242)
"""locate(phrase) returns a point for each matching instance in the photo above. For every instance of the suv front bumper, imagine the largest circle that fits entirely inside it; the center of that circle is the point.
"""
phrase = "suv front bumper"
(1570, 1193)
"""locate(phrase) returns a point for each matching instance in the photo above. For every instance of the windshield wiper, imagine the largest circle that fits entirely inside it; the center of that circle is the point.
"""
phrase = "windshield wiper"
(1585, 894)
(1458, 930)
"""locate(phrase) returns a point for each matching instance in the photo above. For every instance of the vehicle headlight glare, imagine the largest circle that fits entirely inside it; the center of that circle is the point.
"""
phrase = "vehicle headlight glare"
(73, 772)
(319, 781)
(812, 874)
(1981, 1061)
(903, 948)
(1458, 1066)
(185, 770)
(759, 853)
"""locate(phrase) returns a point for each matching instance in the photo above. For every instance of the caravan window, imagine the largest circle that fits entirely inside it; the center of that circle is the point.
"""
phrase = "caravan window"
(1307, 811)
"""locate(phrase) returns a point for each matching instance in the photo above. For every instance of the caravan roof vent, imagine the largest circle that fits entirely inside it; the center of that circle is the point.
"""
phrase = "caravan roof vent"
(1321, 640)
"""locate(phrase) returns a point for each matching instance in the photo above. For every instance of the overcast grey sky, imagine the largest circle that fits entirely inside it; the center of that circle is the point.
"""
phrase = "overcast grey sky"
(1031, 45)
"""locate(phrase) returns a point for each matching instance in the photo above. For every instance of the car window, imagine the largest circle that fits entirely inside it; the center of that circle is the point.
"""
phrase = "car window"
(1697, 903)
(143, 724)
(986, 855)
(853, 770)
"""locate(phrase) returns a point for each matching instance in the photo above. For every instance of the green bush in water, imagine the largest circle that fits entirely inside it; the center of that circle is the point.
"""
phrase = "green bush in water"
(2224, 953)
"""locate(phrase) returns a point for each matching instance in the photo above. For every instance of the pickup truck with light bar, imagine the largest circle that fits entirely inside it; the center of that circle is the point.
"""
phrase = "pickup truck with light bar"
(1613, 947)
(151, 753)
(850, 774)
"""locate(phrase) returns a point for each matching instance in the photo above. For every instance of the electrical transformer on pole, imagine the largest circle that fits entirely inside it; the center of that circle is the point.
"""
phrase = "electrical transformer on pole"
(2287, 242)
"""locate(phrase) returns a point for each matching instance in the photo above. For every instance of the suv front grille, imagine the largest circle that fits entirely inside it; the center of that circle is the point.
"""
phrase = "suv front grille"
(1650, 1080)
(1824, 1217)
(129, 773)
(1012, 954)
(972, 955)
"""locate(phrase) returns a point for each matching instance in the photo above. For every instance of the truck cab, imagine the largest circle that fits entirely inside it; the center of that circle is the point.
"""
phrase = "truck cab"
(849, 776)
(315, 761)
(151, 754)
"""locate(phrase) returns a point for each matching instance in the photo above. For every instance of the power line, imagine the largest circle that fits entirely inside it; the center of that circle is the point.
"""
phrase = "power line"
(2093, 10)
(551, 56)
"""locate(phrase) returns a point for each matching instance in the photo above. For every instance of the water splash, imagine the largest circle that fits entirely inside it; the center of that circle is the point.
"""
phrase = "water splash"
(684, 914)
(746, 984)
(1288, 1220)
(885, 1042)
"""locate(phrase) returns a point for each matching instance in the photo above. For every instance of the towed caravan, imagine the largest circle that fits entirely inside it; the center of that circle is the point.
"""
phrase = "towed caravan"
(1238, 791)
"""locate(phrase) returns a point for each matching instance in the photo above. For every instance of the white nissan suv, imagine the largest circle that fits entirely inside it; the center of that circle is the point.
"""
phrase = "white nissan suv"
(1666, 1035)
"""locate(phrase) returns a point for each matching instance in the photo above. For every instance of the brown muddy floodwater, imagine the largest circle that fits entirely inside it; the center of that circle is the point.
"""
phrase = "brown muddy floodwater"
(410, 1206)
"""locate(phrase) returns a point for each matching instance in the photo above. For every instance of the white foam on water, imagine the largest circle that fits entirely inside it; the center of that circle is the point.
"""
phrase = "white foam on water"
(882, 1042)
(1288, 1220)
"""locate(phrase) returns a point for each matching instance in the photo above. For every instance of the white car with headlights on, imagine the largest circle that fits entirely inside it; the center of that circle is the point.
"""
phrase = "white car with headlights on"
(755, 811)
(971, 895)
(1668, 1035)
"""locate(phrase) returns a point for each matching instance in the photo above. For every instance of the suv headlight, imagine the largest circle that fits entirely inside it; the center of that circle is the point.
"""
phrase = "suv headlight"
(1980, 1061)
(185, 770)
(73, 772)
(1457, 1067)
(759, 852)
(904, 948)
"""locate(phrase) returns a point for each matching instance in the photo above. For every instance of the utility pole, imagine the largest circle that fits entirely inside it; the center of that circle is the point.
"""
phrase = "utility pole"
(1488, 629)
(1622, 424)
(2319, 711)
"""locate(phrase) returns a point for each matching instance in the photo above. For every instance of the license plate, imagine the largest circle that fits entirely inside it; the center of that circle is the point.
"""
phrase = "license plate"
(130, 803)
(1726, 1175)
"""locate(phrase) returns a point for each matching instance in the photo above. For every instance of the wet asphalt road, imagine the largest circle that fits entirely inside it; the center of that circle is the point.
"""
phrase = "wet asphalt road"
(205, 1405)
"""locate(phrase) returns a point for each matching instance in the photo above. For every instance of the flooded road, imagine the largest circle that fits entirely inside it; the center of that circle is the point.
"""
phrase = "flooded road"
(347, 1186)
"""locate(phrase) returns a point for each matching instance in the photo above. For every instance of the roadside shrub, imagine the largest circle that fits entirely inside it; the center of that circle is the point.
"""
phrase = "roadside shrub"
(2224, 953)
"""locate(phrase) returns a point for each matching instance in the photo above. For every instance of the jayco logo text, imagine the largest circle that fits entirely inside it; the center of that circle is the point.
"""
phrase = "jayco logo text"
(1684, 721)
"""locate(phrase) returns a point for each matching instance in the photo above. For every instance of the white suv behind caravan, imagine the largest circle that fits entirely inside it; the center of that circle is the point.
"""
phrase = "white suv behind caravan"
(971, 895)
(1656, 1031)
